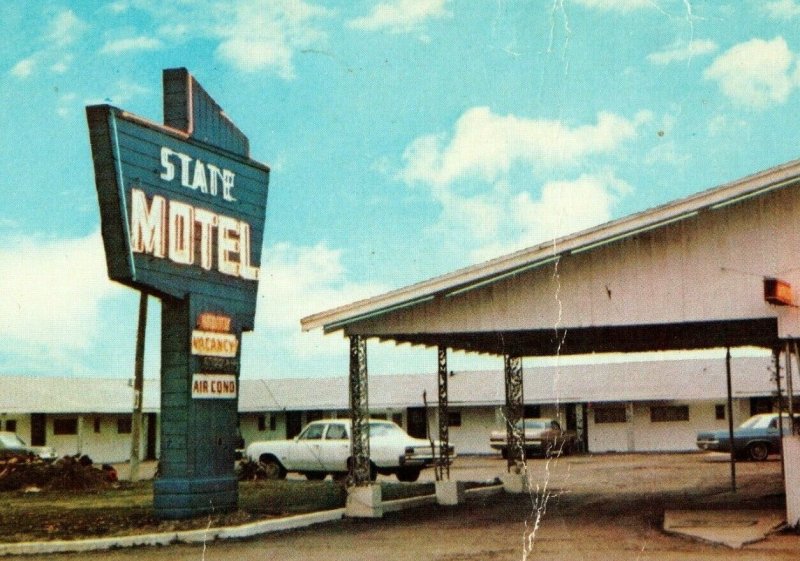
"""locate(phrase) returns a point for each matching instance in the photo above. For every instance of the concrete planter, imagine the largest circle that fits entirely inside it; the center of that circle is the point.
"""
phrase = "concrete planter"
(364, 502)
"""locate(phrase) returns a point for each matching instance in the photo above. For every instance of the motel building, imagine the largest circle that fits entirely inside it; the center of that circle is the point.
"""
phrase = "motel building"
(644, 406)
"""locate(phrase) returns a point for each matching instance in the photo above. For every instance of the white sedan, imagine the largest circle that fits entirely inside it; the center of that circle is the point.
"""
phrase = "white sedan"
(323, 447)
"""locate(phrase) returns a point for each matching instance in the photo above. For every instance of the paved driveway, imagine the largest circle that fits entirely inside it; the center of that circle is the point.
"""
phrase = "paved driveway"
(601, 507)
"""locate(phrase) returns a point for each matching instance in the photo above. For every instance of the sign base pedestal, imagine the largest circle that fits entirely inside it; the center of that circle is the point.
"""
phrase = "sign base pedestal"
(180, 498)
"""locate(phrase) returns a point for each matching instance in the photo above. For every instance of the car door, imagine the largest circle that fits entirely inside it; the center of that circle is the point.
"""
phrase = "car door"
(305, 454)
(774, 433)
(335, 448)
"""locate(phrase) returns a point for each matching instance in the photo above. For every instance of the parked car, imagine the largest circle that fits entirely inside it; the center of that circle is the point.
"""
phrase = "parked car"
(756, 438)
(11, 444)
(541, 436)
(323, 447)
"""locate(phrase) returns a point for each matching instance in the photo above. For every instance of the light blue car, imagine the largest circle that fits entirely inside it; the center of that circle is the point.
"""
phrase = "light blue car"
(756, 438)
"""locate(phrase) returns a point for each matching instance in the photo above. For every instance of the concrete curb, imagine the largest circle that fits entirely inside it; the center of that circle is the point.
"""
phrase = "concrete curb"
(167, 538)
(248, 530)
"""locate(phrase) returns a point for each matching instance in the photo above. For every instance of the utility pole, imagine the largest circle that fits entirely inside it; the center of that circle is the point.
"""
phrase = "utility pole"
(138, 386)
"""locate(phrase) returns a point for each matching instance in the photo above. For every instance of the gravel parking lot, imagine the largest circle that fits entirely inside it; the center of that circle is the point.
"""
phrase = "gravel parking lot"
(582, 507)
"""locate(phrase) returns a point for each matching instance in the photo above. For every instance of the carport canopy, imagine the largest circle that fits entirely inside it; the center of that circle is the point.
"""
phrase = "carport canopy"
(686, 275)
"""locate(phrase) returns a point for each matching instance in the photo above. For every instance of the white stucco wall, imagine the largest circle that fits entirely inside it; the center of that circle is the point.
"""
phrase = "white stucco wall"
(23, 424)
(248, 425)
(640, 434)
(472, 437)
(105, 446)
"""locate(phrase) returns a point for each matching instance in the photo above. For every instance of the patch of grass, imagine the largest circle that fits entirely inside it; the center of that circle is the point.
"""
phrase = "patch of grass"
(127, 508)
(290, 496)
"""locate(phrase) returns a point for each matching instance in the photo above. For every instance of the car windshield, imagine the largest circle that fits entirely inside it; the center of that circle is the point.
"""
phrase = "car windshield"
(385, 429)
(313, 432)
(11, 441)
(762, 421)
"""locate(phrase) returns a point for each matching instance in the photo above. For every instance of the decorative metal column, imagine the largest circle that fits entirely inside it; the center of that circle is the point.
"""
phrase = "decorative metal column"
(514, 409)
(444, 417)
(359, 412)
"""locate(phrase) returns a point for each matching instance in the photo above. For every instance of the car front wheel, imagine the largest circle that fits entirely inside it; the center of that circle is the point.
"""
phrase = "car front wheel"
(272, 468)
(758, 451)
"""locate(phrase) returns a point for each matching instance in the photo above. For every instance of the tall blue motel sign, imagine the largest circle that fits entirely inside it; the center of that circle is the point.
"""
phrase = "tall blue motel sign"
(182, 210)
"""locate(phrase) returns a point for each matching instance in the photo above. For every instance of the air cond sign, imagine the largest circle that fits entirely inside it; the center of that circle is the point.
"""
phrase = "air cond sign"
(213, 386)
(179, 216)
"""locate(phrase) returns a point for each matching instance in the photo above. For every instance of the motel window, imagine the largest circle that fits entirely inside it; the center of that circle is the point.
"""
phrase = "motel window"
(11, 425)
(610, 414)
(63, 427)
(381, 416)
(669, 413)
(760, 405)
(532, 411)
(262, 423)
(719, 412)
(97, 424)
(124, 425)
(454, 418)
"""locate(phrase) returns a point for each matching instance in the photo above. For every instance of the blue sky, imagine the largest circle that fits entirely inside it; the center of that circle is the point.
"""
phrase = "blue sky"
(406, 138)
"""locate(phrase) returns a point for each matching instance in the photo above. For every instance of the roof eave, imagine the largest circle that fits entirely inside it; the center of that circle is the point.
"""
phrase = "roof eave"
(475, 276)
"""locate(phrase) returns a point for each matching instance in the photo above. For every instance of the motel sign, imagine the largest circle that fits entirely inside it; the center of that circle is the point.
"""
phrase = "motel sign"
(182, 210)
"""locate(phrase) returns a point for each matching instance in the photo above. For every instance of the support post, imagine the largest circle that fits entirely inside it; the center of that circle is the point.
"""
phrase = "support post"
(790, 385)
(443, 467)
(776, 363)
(138, 386)
(515, 436)
(730, 417)
(359, 412)
(794, 424)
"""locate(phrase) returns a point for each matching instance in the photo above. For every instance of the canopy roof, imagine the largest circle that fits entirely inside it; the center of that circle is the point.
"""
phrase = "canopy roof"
(661, 279)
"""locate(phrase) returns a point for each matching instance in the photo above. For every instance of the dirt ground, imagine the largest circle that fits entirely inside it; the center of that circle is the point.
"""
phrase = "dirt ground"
(583, 507)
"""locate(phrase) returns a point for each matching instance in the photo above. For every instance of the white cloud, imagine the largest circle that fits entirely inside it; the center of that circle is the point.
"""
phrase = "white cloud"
(61, 65)
(118, 7)
(51, 293)
(726, 125)
(562, 207)
(65, 28)
(400, 16)
(128, 44)
(782, 9)
(486, 145)
(264, 35)
(754, 74)
(683, 51)
(23, 68)
(299, 281)
(616, 5)
(65, 104)
(124, 91)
